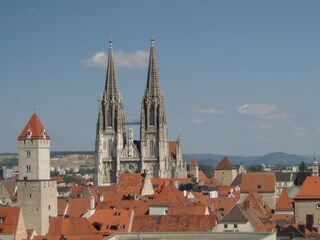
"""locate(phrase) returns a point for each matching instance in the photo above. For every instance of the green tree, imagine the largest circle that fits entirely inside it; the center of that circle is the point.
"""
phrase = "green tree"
(303, 167)
(207, 170)
(255, 168)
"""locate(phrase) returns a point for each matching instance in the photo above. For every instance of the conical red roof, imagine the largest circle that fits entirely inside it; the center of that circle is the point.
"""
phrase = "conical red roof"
(194, 162)
(35, 127)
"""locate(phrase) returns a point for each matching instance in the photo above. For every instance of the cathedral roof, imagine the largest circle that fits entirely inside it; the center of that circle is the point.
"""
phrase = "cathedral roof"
(225, 164)
(194, 162)
(33, 129)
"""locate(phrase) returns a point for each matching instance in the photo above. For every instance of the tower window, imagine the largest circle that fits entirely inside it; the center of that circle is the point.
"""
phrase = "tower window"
(28, 153)
(110, 148)
(29, 134)
(109, 118)
(152, 148)
(151, 122)
(28, 168)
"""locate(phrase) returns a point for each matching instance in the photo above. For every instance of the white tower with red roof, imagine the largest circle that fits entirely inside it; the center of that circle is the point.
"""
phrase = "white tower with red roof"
(37, 194)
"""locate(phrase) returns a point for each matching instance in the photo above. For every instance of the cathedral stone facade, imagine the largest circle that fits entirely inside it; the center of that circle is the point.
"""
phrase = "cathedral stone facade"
(116, 151)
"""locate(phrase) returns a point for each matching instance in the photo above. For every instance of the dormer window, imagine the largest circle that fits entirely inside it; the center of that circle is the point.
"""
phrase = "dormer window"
(29, 134)
(44, 134)
(2, 219)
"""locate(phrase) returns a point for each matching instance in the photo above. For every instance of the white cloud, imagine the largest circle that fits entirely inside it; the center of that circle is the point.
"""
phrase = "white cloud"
(209, 111)
(138, 59)
(99, 59)
(264, 111)
(297, 131)
(260, 127)
(198, 121)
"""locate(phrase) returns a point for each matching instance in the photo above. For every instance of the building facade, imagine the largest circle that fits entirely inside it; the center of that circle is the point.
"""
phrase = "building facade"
(37, 194)
(116, 151)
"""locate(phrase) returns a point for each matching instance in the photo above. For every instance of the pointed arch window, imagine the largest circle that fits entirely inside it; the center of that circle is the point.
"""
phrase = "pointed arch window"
(110, 147)
(151, 122)
(109, 118)
(152, 149)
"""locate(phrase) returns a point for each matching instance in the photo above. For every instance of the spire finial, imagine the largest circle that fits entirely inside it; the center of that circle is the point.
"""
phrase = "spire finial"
(110, 41)
(34, 108)
(152, 40)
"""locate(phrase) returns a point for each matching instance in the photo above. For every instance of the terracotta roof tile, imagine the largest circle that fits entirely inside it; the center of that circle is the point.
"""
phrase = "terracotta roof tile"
(197, 209)
(284, 202)
(140, 207)
(310, 189)
(72, 226)
(260, 182)
(225, 191)
(171, 195)
(173, 223)
(194, 162)
(221, 206)
(10, 218)
(130, 183)
(225, 164)
(78, 206)
(112, 220)
(35, 126)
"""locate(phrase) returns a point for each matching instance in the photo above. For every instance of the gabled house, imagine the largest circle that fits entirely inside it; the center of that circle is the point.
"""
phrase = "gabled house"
(307, 203)
(12, 223)
(261, 182)
(247, 216)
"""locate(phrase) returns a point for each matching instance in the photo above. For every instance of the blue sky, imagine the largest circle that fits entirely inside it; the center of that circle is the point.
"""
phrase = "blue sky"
(239, 77)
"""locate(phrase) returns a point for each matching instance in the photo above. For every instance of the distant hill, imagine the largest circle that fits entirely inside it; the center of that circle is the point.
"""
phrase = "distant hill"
(277, 158)
(280, 158)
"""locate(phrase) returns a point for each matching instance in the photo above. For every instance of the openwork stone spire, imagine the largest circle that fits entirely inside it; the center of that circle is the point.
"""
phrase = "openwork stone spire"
(153, 84)
(111, 87)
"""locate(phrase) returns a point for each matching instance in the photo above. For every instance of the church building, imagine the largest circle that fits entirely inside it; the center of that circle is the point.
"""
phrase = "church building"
(116, 151)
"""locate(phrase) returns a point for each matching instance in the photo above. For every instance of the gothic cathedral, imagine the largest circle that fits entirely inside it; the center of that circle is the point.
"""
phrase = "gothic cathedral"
(117, 152)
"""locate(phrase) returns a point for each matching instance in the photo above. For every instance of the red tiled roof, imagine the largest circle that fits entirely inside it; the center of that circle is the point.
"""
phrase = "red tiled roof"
(78, 206)
(72, 226)
(198, 209)
(310, 189)
(260, 182)
(11, 218)
(120, 218)
(173, 223)
(202, 176)
(140, 207)
(35, 126)
(171, 195)
(284, 202)
(225, 164)
(224, 191)
(221, 206)
(194, 162)
(130, 183)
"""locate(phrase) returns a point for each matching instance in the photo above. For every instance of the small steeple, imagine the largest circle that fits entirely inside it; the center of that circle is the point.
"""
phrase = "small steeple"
(153, 85)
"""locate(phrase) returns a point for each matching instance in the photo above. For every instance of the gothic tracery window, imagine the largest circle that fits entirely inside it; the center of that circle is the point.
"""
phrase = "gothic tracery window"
(110, 148)
(152, 116)
(152, 148)
(109, 118)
